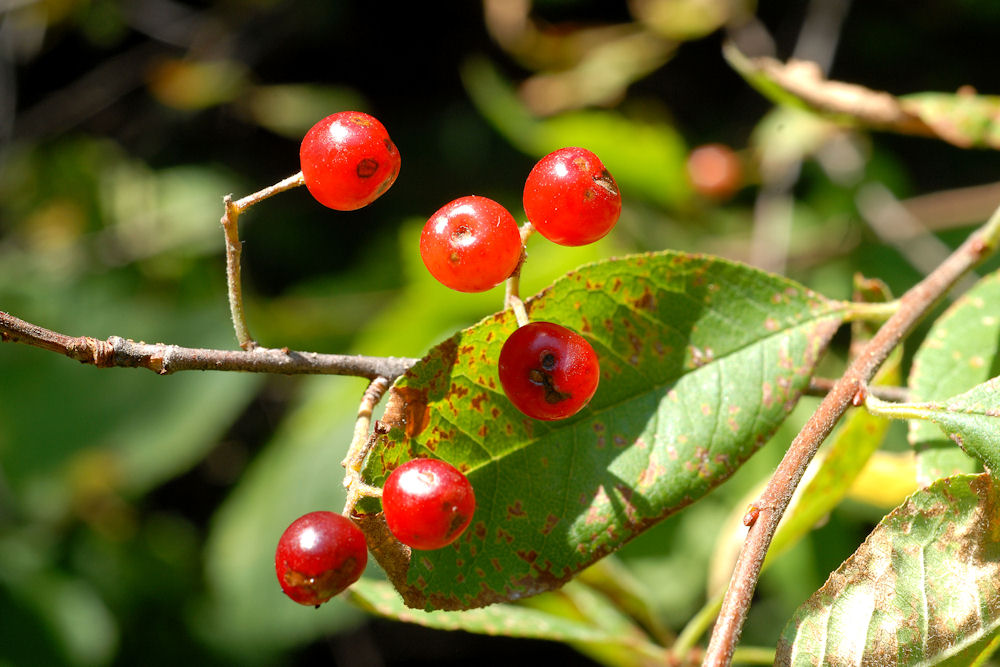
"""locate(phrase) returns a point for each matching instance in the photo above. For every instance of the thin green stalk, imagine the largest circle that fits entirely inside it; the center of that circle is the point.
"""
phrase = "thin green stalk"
(858, 311)
(697, 626)
(882, 408)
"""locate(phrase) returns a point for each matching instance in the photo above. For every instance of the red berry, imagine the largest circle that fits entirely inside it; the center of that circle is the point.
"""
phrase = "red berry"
(715, 171)
(471, 244)
(548, 371)
(570, 198)
(348, 160)
(319, 555)
(427, 503)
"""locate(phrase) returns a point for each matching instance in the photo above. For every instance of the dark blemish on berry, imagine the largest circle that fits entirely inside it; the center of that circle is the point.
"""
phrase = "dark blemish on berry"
(588, 194)
(367, 168)
(544, 380)
(548, 361)
(457, 521)
(604, 180)
(389, 146)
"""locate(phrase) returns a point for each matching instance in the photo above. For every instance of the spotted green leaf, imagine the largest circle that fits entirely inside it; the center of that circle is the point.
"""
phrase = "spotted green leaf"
(971, 420)
(701, 359)
(961, 350)
(924, 588)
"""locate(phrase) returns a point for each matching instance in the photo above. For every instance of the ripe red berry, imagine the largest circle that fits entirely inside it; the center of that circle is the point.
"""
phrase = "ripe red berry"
(427, 503)
(471, 244)
(319, 555)
(348, 160)
(548, 371)
(570, 198)
(715, 171)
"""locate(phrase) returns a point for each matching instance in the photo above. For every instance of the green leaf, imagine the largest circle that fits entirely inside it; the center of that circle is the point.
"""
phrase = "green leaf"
(701, 360)
(508, 620)
(577, 616)
(971, 420)
(922, 589)
(961, 350)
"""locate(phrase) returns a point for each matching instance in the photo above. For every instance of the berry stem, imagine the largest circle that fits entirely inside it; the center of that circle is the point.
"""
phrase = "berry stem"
(234, 248)
(361, 444)
(512, 289)
(514, 302)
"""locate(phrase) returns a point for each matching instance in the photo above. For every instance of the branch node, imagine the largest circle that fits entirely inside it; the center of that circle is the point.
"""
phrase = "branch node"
(103, 352)
(860, 395)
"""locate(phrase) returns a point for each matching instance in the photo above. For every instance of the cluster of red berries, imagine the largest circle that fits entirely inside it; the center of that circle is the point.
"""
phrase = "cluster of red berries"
(427, 504)
(348, 161)
(471, 244)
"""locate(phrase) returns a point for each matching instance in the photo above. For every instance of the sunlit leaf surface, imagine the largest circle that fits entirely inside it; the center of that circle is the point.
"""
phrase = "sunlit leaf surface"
(922, 589)
(701, 359)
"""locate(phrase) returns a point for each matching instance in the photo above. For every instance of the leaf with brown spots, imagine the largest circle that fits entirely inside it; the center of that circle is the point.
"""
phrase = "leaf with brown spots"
(961, 350)
(970, 420)
(701, 360)
(924, 588)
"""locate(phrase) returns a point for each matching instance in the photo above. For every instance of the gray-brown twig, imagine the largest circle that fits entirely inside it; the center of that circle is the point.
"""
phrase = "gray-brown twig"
(165, 359)
(234, 248)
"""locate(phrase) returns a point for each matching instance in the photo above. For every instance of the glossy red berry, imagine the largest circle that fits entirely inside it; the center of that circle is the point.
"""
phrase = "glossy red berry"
(319, 555)
(715, 171)
(348, 160)
(471, 244)
(427, 503)
(548, 371)
(570, 198)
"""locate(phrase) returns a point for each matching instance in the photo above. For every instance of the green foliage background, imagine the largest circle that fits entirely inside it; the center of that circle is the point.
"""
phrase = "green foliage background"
(138, 514)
